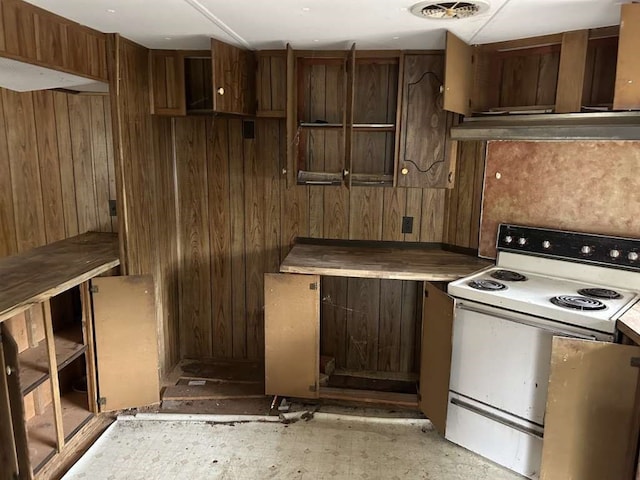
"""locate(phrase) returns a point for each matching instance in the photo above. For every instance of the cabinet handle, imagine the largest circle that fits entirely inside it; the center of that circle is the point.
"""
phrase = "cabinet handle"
(284, 171)
(345, 172)
(404, 171)
(221, 91)
(10, 370)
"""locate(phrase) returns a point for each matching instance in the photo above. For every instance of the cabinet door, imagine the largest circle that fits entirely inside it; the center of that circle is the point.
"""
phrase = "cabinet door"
(435, 359)
(233, 79)
(126, 341)
(166, 72)
(292, 334)
(627, 89)
(16, 405)
(589, 422)
(424, 159)
(8, 457)
(458, 75)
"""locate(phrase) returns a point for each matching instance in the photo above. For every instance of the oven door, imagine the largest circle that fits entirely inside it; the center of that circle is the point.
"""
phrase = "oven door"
(502, 358)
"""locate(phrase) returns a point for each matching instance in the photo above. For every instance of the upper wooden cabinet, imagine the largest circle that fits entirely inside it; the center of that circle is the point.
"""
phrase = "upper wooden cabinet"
(561, 73)
(233, 79)
(627, 90)
(36, 36)
(271, 84)
(167, 73)
(426, 155)
(218, 81)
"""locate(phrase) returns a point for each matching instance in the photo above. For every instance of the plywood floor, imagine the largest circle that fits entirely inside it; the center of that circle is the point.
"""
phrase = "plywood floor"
(327, 446)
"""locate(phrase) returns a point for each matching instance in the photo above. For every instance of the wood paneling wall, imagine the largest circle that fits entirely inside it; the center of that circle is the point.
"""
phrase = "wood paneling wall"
(237, 220)
(56, 180)
(145, 168)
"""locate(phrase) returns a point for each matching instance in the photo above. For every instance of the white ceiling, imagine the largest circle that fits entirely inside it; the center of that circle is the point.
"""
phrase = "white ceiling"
(325, 24)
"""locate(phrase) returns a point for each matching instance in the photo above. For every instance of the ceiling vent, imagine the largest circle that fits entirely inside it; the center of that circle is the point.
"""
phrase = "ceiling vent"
(449, 10)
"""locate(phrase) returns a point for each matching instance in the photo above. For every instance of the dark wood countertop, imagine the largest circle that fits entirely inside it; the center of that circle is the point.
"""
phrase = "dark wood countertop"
(34, 276)
(397, 263)
(629, 323)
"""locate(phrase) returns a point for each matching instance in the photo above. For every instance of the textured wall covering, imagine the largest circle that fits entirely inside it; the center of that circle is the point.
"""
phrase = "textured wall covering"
(590, 187)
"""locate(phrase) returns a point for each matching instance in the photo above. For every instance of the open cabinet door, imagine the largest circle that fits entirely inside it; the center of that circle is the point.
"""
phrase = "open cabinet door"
(8, 456)
(126, 336)
(435, 359)
(16, 404)
(292, 334)
(589, 421)
(458, 75)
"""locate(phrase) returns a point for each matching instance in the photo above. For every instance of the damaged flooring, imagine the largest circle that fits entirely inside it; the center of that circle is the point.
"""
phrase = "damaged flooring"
(318, 446)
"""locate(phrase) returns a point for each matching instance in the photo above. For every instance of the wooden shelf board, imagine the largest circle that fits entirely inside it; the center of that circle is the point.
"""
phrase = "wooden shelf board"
(406, 400)
(42, 432)
(41, 273)
(34, 362)
(380, 262)
(320, 126)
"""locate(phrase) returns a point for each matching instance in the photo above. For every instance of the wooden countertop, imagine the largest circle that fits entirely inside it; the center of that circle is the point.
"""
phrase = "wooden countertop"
(34, 276)
(629, 323)
(398, 263)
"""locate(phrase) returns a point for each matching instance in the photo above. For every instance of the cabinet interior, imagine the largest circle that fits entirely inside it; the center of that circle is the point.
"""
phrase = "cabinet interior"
(198, 84)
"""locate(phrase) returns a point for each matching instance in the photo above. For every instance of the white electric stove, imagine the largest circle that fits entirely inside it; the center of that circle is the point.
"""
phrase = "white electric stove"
(545, 283)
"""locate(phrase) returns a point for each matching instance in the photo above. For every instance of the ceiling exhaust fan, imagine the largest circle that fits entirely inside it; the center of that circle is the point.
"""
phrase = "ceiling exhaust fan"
(449, 10)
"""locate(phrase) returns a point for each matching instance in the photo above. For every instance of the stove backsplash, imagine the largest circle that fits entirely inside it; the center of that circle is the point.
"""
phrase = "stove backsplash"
(591, 187)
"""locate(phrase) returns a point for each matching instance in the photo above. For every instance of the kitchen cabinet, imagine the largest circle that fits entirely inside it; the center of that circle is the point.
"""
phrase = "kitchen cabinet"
(627, 86)
(426, 155)
(92, 349)
(233, 76)
(590, 432)
(271, 84)
(561, 73)
(343, 117)
(292, 315)
(220, 80)
(167, 78)
(33, 35)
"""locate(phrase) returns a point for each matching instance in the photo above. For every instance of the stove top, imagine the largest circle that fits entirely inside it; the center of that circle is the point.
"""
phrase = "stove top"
(561, 299)
(509, 276)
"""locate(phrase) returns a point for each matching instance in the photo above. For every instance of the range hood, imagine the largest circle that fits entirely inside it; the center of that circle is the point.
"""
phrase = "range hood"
(25, 77)
(560, 126)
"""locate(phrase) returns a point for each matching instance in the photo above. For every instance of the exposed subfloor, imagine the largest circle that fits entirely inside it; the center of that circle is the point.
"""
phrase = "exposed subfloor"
(304, 446)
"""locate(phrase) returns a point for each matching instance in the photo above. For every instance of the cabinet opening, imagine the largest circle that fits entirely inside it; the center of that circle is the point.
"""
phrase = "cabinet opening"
(600, 74)
(370, 334)
(198, 84)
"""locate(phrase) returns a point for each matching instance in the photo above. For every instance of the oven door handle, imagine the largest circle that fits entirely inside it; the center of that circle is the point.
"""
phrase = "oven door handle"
(562, 333)
(495, 418)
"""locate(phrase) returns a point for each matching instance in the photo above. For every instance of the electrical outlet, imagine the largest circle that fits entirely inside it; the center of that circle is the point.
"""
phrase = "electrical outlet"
(407, 224)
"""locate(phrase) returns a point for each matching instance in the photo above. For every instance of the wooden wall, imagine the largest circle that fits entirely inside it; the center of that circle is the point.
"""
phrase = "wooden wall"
(237, 220)
(56, 180)
(144, 165)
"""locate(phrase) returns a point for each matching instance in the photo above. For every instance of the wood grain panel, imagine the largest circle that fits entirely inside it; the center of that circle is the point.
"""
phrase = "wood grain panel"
(8, 243)
(195, 274)
(45, 123)
(80, 118)
(365, 221)
(100, 164)
(519, 80)
(363, 304)
(571, 71)
(65, 151)
(333, 327)
(390, 325)
(51, 36)
(395, 202)
(19, 29)
(254, 249)
(25, 172)
(553, 184)
(220, 235)
(336, 212)
(238, 259)
(547, 79)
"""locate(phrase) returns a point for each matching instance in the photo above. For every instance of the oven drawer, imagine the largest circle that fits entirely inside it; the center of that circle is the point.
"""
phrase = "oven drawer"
(501, 363)
(506, 440)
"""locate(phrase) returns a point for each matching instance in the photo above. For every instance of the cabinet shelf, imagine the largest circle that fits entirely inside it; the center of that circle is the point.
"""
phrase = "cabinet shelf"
(42, 431)
(320, 125)
(34, 363)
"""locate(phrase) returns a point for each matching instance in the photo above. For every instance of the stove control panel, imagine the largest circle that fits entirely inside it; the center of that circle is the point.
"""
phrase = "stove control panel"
(581, 247)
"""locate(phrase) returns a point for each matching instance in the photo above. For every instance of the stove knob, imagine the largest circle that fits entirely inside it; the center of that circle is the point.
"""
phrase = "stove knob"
(508, 239)
(614, 253)
(586, 249)
(633, 256)
(522, 241)
(546, 244)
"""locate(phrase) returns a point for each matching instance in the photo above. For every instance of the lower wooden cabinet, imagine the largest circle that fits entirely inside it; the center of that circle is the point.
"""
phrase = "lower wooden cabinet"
(89, 349)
